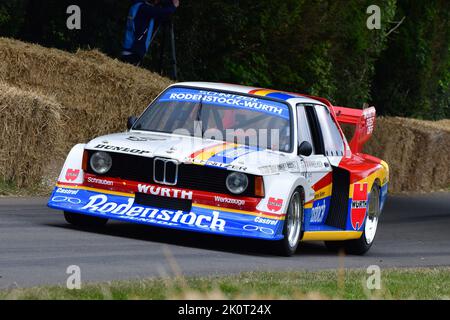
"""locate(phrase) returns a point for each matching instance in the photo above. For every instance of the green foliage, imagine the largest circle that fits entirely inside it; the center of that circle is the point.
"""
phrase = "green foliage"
(10, 17)
(320, 47)
(44, 22)
(413, 74)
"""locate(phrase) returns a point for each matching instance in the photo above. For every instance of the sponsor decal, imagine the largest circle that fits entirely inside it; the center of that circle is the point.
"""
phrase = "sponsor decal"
(319, 195)
(266, 221)
(318, 212)
(103, 182)
(165, 192)
(314, 164)
(291, 166)
(215, 164)
(137, 139)
(71, 192)
(227, 100)
(221, 155)
(238, 202)
(269, 169)
(306, 175)
(120, 149)
(231, 153)
(264, 230)
(369, 118)
(66, 199)
(103, 205)
(235, 153)
(359, 205)
(274, 204)
(144, 139)
(72, 174)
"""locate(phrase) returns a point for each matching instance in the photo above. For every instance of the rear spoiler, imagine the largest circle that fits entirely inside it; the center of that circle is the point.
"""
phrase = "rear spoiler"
(363, 120)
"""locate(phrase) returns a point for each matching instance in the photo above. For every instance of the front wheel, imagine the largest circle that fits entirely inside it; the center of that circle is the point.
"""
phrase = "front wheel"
(362, 245)
(292, 226)
(81, 220)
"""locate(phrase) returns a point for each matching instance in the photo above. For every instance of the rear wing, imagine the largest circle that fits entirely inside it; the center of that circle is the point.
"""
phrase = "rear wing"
(363, 120)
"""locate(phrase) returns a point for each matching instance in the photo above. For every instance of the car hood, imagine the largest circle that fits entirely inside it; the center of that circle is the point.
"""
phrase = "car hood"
(195, 150)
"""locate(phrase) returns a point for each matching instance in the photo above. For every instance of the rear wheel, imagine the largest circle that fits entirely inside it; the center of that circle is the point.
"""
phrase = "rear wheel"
(292, 226)
(81, 220)
(363, 244)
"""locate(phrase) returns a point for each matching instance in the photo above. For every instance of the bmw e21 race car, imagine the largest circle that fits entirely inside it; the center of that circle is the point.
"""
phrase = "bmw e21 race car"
(236, 161)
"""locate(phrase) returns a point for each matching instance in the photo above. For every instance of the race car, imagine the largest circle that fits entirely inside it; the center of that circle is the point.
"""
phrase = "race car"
(235, 161)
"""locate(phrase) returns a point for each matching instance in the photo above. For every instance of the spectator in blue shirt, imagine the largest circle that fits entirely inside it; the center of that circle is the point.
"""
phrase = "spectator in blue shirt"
(143, 18)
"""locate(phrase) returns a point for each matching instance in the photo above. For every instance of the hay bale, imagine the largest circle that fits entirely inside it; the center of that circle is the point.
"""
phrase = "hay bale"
(96, 93)
(30, 127)
(418, 153)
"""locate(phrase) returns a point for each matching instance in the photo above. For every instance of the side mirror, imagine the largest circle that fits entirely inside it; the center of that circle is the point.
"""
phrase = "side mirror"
(131, 121)
(305, 149)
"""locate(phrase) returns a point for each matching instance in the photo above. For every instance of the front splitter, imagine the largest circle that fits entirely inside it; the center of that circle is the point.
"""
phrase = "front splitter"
(205, 219)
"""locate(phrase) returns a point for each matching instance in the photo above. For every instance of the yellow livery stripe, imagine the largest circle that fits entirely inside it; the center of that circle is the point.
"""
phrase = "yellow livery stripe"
(263, 92)
(380, 175)
(331, 235)
(209, 153)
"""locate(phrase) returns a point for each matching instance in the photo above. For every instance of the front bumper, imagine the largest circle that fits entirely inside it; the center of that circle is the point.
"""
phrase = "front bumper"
(201, 218)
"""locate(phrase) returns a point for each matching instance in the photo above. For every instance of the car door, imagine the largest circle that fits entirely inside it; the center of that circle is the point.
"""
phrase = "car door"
(334, 149)
(318, 167)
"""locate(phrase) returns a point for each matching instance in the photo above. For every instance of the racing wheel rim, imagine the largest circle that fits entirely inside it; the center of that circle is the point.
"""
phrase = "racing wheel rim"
(372, 215)
(293, 220)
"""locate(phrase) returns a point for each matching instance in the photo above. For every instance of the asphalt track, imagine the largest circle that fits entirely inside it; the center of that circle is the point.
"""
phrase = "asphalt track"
(37, 246)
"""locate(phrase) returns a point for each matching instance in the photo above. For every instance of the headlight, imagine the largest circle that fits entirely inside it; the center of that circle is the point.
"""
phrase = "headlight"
(101, 162)
(237, 182)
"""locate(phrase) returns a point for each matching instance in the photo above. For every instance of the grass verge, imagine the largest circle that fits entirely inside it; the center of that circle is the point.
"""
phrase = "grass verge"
(339, 284)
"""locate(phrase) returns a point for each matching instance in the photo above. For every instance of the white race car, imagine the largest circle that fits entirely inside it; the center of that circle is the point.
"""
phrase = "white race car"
(236, 161)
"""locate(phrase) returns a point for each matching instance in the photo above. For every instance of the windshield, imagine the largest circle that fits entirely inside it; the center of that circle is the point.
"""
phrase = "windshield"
(245, 120)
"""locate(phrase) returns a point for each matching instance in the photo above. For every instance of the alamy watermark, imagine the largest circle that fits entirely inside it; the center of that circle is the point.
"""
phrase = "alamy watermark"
(374, 20)
(73, 22)
(74, 280)
(374, 277)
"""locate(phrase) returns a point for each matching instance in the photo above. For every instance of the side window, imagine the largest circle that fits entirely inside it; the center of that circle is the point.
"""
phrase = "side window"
(334, 146)
(304, 131)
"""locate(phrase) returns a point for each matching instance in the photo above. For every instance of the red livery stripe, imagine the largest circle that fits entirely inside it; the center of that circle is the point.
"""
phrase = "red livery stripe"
(325, 181)
(199, 152)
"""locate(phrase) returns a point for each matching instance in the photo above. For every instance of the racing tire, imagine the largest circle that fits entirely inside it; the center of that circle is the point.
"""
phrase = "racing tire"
(364, 243)
(292, 228)
(81, 220)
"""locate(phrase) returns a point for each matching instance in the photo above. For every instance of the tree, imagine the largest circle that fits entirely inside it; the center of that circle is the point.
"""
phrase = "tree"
(413, 74)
